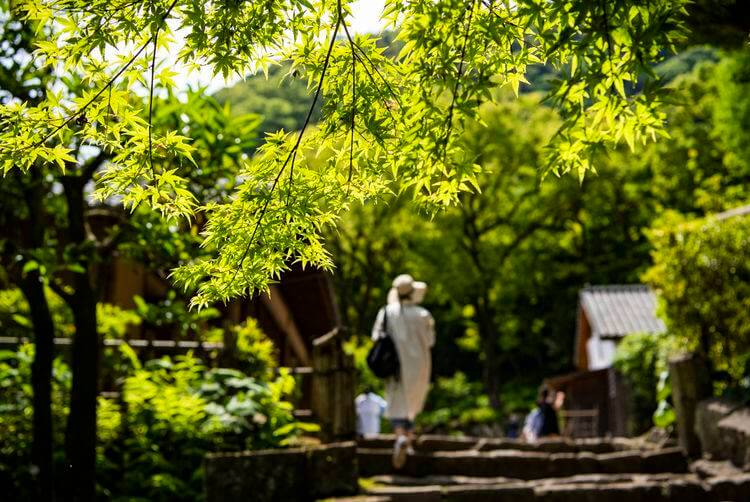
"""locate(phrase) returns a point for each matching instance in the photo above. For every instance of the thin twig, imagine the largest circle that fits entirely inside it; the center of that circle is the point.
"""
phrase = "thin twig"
(354, 45)
(291, 178)
(354, 112)
(449, 120)
(377, 88)
(375, 69)
(292, 153)
(151, 105)
(491, 8)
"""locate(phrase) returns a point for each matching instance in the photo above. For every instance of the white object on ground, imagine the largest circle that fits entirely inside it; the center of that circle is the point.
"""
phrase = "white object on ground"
(370, 408)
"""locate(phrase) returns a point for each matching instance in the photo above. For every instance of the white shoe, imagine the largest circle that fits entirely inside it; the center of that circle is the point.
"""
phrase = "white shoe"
(400, 452)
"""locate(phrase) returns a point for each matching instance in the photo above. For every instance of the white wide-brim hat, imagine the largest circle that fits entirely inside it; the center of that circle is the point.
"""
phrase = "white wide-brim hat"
(405, 286)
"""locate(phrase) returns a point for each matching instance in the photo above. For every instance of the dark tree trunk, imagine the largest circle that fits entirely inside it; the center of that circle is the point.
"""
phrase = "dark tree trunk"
(32, 237)
(41, 383)
(490, 372)
(80, 434)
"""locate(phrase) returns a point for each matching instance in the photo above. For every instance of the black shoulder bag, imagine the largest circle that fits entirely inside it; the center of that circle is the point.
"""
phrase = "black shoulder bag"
(383, 357)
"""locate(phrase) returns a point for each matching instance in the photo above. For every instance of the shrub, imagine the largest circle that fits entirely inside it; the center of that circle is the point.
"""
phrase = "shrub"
(16, 413)
(642, 360)
(151, 441)
(175, 410)
(255, 351)
(457, 404)
(702, 273)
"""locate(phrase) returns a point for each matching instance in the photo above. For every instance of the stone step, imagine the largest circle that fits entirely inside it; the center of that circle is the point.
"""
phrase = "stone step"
(432, 443)
(444, 481)
(400, 480)
(607, 488)
(521, 464)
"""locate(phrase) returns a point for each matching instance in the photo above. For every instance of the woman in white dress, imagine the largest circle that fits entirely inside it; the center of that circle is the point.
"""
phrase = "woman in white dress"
(412, 329)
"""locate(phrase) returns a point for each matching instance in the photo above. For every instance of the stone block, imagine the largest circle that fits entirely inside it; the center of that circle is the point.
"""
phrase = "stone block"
(564, 465)
(489, 493)
(588, 463)
(735, 488)
(735, 432)
(682, 490)
(332, 470)
(620, 462)
(444, 443)
(374, 461)
(595, 445)
(517, 464)
(555, 445)
(666, 460)
(620, 492)
(283, 474)
(255, 476)
(724, 430)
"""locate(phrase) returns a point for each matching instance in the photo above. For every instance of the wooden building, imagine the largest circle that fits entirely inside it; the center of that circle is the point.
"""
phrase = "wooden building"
(299, 308)
(596, 398)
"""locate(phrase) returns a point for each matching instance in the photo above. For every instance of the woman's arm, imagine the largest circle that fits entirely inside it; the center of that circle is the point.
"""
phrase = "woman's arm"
(377, 328)
(430, 328)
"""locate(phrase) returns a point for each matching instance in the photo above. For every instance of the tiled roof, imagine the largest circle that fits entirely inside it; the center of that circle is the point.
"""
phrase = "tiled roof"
(616, 311)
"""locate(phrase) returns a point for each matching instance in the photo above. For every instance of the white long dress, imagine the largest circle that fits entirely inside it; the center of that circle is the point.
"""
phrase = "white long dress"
(413, 331)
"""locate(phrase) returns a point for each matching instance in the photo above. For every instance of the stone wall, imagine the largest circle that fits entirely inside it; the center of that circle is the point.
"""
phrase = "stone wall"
(285, 474)
(724, 431)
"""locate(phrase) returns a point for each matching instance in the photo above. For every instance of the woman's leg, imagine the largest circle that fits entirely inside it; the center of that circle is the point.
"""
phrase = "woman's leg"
(403, 442)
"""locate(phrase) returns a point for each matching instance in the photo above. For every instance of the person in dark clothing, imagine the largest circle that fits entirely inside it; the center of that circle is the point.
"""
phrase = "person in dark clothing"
(542, 421)
(548, 425)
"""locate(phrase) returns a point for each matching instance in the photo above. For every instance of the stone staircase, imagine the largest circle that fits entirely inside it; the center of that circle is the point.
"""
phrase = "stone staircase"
(488, 469)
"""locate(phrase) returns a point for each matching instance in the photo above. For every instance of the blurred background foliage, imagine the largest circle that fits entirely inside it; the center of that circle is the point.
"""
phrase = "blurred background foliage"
(167, 413)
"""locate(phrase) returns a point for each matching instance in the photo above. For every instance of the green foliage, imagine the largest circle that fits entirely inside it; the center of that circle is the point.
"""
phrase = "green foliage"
(152, 440)
(281, 99)
(256, 353)
(642, 360)
(456, 404)
(177, 410)
(702, 273)
(358, 348)
(732, 113)
(390, 124)
(507, 265)
(16, 414)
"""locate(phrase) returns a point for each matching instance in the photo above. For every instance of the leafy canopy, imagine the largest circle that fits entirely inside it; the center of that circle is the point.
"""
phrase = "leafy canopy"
(389, 124)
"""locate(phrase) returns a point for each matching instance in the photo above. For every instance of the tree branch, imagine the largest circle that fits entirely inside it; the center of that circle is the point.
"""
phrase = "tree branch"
(292, 153)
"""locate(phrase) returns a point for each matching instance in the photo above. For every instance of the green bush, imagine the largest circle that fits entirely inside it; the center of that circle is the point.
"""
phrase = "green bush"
(176, 410)
(456, 404)
(255, 351)
(702, 274)
(642, 360)
(16, 413)
(152, 440)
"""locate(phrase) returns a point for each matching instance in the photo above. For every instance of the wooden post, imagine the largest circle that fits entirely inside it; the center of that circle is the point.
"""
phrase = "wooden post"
(690, 383)
(333, 388)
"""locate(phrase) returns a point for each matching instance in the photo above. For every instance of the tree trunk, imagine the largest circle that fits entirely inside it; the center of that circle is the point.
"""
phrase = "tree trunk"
(491, 356)
(80, 434)
(32, 287)
(41, 383)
